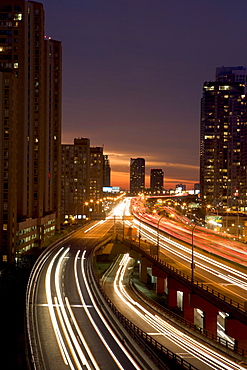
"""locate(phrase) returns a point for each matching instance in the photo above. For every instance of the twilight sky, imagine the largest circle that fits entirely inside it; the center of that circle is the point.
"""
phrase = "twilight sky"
(133, 72)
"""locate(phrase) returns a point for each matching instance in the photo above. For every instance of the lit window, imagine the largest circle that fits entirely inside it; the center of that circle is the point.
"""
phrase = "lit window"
(15, 65)
(224, 87)
(17, 17)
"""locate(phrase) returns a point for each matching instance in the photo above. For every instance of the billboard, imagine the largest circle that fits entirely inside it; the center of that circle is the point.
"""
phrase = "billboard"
(107, 189)
(111, 189)
(214, 219)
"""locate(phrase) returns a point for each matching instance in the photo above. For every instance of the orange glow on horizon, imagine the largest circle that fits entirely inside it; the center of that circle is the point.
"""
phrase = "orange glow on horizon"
(122, 179)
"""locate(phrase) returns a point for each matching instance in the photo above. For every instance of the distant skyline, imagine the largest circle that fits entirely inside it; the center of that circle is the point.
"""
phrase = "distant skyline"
(133, 73)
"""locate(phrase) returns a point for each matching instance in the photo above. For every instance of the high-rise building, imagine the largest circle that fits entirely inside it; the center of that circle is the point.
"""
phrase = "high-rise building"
(96, 173)
(81, 179)
(106, 171)
(30, 68)
(75, 178)
(137, 175)
(179, 188)
(156, 181)
(223, 142)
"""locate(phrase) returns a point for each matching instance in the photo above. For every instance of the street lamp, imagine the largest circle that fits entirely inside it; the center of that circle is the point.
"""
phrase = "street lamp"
(158, 233)
(139, 238)
(192, 254)
(227, 213)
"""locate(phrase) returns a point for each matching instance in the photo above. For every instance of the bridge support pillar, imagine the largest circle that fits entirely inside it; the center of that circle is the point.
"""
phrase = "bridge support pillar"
(145, 263)
(237, 330)
(160, 285)
(172, 298)
(187, 309)
(210, 312)
(179, 297)
(160, 282)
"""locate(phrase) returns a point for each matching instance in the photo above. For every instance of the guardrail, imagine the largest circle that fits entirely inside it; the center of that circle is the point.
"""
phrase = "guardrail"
(188, 324)
(163, 264)
(157, 352)
(33, 349)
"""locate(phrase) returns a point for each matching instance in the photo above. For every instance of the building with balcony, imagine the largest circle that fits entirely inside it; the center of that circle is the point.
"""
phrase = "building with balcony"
(223, 140)
(30, 137)
(96, 173)
(75, 178)
(81, 180)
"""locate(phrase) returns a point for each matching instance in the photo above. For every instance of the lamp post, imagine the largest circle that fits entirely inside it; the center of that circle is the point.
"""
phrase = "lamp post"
(83, 210)
(139, 238)
(227, 213)
(123, 215)
(158, 233)
(76, 211)
(192, 254)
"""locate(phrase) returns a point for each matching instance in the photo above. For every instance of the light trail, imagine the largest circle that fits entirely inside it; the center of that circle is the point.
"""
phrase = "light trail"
(100, 315)
(96, 366)
(196, 349)
(66, 325)
(167, 244)
(57, 332)
(208, 241)
(92, 227)
(66, 330)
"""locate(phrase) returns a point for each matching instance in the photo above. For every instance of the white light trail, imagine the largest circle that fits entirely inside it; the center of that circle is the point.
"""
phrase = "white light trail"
(196, 349)
(64, 332)
(67, 328)
(92, 227)
(167, 244)
(61, 345)
(100, 315)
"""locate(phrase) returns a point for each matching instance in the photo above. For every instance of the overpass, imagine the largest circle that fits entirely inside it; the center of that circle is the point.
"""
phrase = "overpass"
(194, 294)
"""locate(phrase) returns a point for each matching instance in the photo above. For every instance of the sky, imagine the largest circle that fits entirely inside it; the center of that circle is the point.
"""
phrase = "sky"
(133, 72)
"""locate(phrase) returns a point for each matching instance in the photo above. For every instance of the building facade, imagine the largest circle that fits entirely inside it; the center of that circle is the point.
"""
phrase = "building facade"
(30, 68)
(75, 178)
(223, 141)
(81, 180)
(96, 173)
(106, 171)
(137, 175)
(156, 181)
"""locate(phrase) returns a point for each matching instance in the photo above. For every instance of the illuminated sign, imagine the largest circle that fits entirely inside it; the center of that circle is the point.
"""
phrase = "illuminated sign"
(111, 189)
(214, 219)
(107, 189)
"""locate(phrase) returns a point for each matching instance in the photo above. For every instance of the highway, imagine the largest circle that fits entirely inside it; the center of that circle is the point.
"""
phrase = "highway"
(199, 355)
(224, 275)
(65, 325)
(205, 239)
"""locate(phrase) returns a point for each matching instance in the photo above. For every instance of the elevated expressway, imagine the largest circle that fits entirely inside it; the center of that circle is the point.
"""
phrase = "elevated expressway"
(199, 355)
(220, 263)
(66, 327)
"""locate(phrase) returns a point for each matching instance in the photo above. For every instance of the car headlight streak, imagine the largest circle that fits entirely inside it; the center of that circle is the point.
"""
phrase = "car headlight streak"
(196, 349)
(167, 244)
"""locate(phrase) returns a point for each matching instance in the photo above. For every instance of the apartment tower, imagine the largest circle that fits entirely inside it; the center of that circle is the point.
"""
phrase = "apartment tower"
(156, 181)
(82, 180)
(106, 171)
(137, 175)
(96, 173)
(30, 156)
(223, 142)
(75, 178)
